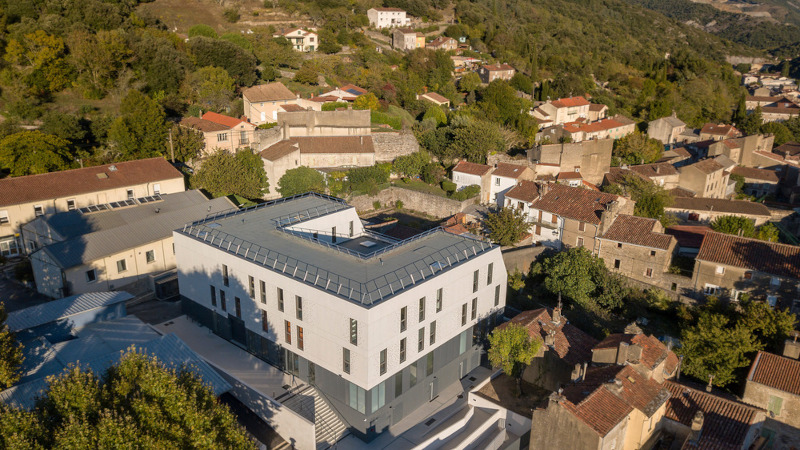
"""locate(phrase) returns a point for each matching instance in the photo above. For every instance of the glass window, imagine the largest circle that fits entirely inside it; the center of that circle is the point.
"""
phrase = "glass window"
(280, 299)
(403, 315)
(346, 360)
(475, 281)
(421, 340)
(462, 342)
(222, 137)
(474, 308)
(489, 273)
(288, 331)
(412, 372)
(398, 384)
(300, 343)
(122, 266)
(580, 242)
(617, 263)
(264, 322)
(433, 333)
(3, 217)
(463, 314)
(91, 276)
(378, 395)
(422, 309)
(497, 295)
(251, 286)
(263, 287)
(130, 194)
(213, 297)
(351, 228)
(356, 398)
(429, 365)
(648, 272)
(71, 205)
(383, 362)
(157, 189)
(354, 331)
(225, 280)
(150, 256)
(402, 350)
(299, 304)
(439, 300)
(238, 304)
(222, 300)
(38, 210)
(581, 226)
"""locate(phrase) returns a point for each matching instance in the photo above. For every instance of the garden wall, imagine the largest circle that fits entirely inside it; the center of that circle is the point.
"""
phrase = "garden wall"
(433, 205)
(389, 145)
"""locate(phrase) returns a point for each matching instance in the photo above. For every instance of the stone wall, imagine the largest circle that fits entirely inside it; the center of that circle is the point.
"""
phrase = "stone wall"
(433, 205)
(519, 160)
(390, 145)
(521, 258)
(265, 138)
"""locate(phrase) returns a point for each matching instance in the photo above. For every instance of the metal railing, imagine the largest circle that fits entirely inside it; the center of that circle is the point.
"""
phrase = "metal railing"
(306, 214)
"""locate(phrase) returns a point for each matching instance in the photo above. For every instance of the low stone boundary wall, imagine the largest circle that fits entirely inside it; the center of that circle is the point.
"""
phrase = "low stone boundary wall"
(433, 205)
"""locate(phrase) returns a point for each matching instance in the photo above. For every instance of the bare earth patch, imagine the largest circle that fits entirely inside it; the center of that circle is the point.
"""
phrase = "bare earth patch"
(503, 391)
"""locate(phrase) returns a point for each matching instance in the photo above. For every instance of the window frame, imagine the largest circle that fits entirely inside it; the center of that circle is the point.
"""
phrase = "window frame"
(403, 350)
(432, 333)
(124, 265)
(150, 256)
(346, 360)
(93, 277)
(403, 319)
(474, 314)
(463, 314)
(300, 342)
(422, 309)
(298, 306)
(421, 339)
(280, 300)
(287, 335)
(353, 331)
(213, 296)
(264, 321)
(439, 299)
(382, 366)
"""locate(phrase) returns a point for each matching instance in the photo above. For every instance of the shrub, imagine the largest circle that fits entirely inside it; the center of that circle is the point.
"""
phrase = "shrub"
(398, 204)
(361, 175)
(333, 106)
(466, 193)
(449, 186)
(202, 30)
(376, 205)
(231, 15)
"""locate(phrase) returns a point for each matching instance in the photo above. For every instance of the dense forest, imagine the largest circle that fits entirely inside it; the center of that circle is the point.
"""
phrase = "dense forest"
(105, 80)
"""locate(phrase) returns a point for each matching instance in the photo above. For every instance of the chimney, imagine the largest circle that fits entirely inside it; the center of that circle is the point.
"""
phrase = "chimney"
(658, 169)
(622, 353)
(557, 311)
(710, 379)
(697, 426)
(791, 348)
(550, 338)
(608, 215)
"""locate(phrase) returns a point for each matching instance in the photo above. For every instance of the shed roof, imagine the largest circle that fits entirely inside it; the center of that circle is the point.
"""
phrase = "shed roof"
(637, 231)
(776, 372)
(752, 254)
(472, 168)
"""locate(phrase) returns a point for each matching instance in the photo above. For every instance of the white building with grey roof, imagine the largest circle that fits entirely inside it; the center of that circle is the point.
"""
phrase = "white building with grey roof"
(105, 247)
(378, 326)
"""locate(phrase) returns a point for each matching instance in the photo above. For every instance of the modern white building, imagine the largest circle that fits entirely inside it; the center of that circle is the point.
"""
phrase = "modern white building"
(387, 17)
(378, 326)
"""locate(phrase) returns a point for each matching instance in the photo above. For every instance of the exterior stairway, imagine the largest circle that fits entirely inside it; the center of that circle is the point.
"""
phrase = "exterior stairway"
(309, 403)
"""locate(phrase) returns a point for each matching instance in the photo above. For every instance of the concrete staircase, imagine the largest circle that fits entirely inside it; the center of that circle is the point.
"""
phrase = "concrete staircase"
(307, 402)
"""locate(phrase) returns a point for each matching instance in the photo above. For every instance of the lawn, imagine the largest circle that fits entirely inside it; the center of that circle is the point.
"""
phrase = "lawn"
(421, 186)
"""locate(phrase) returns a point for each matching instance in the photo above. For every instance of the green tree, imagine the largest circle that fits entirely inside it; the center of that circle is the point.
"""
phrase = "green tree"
(223, 174)
(781, 132)
(650, 198)
(307, 74)
(475, 139)
(740, 113)
(716, 346)
(238, 62)
(437, 114)
(202, 30)
(771, 326)
(39, 57)
(752, 123)
(575, 273)
(411, 165)
(637, 148)
(34, 152)
(367, 101)
(187, 143)
(507, 226)
(141, 129)
(299, 180)
(212, 87)
(470, 82)
(10, 353)
(66, 126)
(768, 232)
(521, 82)
(137, 403)
(99, 59)
(327, 42)
(512, 349)
(734, 225)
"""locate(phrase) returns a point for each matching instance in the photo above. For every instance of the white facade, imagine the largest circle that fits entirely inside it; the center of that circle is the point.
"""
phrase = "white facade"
(547, 227)
(499, 186)
(387, 17)
(463, 180)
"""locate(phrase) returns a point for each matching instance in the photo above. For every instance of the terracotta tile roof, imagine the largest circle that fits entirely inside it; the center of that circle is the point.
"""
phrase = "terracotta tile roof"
(689, 236)
(16, 190)
(618, 174)
(790, 110)
(720, 130)
(352, 87)
(206, 126)
(574, 203)
(787, 149)
(637, 231)
(726, 422)
(680, 192)
(720, 205)
(571, 344)
(278, 150)
(608, 394)
(768, 257)
(440, 41)
(569, 176)
(591, 186)
(776, 372)
(227, 121)
(706, 166)
(594, 127)
(597, 107)
(268, 93)
(472, 168)
(509, 170)
(570, 102)
(435, 97)
(527, 191)
(494, 67)
(654, 352)
(456, 229)
(759, 98)
(655, 170)
(756, 174)
(682, 152)
(324, 99)
(389, 9)
(291, 107)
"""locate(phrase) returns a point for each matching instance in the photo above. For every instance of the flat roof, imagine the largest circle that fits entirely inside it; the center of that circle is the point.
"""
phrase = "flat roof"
(260, 234)
(62, 308)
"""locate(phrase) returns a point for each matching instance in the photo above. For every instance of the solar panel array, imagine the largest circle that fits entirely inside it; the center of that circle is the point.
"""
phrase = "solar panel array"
(120, 204)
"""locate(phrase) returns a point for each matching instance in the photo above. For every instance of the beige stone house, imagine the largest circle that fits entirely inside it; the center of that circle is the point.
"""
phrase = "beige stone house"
(591, 158)
(758, 182)
(22, 199)
(612, 128)
(561, 111)
(443, 43)
(742, 150)
(661, 174)
(728, 266)
(718, 132)
(302, 40)
(773, 384)
(637, 247)
(436, 99)
(706, 210)
(407, 39)
(666, 129)
(262, 103)
(466, 174)
(706, 178)
(91, 251)
(222, 132)
(491, 72)
(346, 122)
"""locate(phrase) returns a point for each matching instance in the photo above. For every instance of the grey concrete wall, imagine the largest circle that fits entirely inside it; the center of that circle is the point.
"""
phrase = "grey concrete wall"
(265, 138)
(433, 205)
(521, 258)
(389, 145)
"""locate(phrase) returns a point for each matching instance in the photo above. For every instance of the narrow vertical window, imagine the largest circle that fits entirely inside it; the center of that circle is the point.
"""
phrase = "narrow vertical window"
(429, 365)
(299, 303)
(346, 360)
(263, 287)
(438, 300)
(383, 362)
(433, 333)
(402, 350)
(474, 308)
(354, 331)
(300, 337)
(403, 316)
(489, 274)
(238, 304)
(225, 279)
(222, 300)
(252, 286)
(421, 339)
(333, 235)
(422, 309)
(497, 295)
(351, 228)
(213, 297)
(280, 299)
(464, 314)
(288, 326)
(475, 281)
(264, 322)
